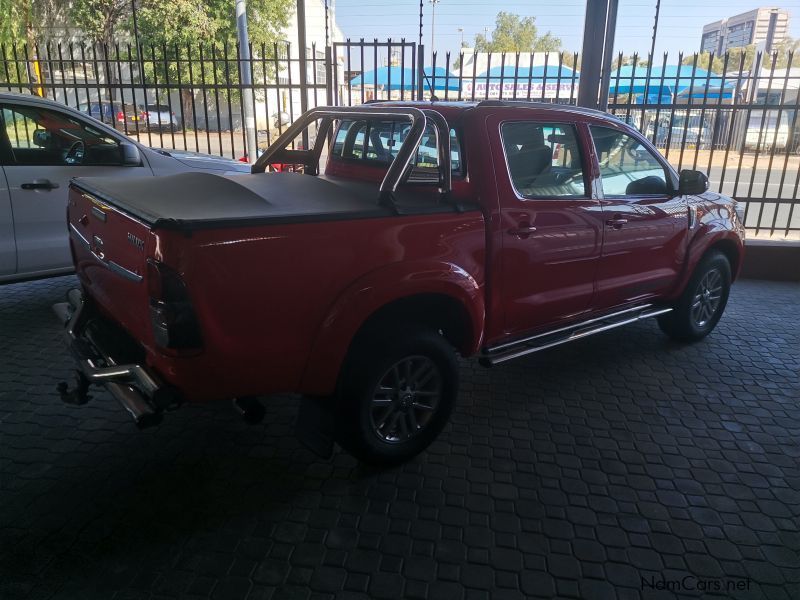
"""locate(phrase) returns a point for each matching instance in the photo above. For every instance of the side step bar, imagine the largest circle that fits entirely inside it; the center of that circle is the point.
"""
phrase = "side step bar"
(556, 337)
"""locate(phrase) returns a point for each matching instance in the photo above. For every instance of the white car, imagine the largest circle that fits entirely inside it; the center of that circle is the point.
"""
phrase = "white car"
(44, 144)
(160, 116)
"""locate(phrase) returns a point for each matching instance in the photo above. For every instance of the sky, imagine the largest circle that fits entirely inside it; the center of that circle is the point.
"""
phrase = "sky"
(680, 21)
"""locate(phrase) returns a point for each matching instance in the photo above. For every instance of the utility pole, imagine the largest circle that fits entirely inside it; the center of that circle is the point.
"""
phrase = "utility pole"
(139, 58)
(420, 22)
(433, 26)
(247, 81)
(655, 33)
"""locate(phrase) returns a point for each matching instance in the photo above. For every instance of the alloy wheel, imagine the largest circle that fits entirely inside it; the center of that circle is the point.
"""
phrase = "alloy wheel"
(707, 298)
(406, 399)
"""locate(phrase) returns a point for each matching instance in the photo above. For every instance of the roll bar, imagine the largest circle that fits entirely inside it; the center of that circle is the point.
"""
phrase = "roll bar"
(398, 167)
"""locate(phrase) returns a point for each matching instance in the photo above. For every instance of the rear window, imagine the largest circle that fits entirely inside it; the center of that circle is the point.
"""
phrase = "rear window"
(379, 142)
(158, 107)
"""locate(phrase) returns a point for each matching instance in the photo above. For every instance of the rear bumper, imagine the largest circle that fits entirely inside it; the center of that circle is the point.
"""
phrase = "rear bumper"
(99, 347)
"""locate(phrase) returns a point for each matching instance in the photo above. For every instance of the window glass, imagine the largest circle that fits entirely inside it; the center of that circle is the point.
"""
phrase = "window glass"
(383, 141)
(627, 168)
(544, 159)
(40, 136)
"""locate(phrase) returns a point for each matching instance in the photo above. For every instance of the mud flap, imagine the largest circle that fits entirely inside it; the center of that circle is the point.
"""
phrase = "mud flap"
(315, 425)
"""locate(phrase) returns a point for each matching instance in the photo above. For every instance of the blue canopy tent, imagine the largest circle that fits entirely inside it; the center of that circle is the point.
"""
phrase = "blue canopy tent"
(397, 78)
(666, 84)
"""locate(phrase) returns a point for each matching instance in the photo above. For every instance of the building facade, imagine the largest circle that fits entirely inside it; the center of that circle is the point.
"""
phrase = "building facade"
(752, 27)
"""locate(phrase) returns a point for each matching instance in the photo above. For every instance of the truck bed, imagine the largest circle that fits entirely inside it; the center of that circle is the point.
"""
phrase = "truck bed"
(187, 201)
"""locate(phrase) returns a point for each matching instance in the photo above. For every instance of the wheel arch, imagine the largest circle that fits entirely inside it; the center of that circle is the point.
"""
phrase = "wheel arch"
(441, 296)
(731, 251)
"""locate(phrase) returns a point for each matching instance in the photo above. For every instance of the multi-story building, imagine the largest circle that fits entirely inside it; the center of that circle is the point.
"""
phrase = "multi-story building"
(752, 27)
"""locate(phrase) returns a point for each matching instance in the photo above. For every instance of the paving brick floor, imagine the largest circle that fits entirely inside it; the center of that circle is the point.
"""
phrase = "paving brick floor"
(622, 466)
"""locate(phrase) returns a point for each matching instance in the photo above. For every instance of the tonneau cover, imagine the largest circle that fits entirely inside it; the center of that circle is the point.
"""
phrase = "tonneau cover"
(197, 200)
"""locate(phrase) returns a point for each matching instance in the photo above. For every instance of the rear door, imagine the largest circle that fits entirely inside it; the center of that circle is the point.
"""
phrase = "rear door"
(8, 246)
(47, 148)
(552, 236)
(645, 222)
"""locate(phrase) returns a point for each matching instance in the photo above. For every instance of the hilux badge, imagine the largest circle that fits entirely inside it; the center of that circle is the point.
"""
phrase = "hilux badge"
(139, 243)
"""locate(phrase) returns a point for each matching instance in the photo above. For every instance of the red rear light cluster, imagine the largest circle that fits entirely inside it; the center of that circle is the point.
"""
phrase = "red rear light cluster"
(172, 316)
(121, 117)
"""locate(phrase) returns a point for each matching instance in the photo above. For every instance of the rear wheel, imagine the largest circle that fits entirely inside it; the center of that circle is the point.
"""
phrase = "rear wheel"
(397, 394)
(702, 303)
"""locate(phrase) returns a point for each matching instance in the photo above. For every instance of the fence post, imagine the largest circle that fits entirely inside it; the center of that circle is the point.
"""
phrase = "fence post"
(601, 20)
(329, 83)
(420, 71)
(301, 47)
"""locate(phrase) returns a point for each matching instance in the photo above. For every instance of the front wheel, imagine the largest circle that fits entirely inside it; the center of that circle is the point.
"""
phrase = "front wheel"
(702, 303)
(397, 393)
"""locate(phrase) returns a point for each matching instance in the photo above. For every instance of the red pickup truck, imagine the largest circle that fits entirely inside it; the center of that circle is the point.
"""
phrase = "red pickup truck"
(494, 229)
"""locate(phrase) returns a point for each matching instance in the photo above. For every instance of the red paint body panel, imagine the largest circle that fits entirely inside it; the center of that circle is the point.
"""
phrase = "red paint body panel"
(279, 304)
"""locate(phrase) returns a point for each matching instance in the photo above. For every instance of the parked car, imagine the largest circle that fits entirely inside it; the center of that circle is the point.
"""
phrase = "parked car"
(43, 144)
(358, 287)
(106, 112)
(160, 116)
(767, 130)
(680, 130)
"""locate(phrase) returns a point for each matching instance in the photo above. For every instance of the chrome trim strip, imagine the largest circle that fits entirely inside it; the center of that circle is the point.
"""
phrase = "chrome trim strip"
(109, 264)
(80, 236)
(577, 335)
(120, 270)
(568, 327)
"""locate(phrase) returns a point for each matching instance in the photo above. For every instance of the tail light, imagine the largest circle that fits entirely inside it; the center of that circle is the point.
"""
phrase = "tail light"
(172, 316)
(121, 117)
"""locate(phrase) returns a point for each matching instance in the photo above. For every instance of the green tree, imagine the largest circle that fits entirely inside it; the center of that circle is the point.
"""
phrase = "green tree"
(513, 33)
(177, 30)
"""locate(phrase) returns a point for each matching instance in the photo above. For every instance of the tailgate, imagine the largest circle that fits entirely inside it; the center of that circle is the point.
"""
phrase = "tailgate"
(110, 250)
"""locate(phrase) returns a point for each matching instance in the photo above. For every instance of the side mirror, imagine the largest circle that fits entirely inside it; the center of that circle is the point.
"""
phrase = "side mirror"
(692, 182)
(130, 155)
(41, 138)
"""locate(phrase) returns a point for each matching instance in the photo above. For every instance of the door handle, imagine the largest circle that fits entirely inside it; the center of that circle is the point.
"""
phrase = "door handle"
(616, 222)
(522, 230)
(39, 184)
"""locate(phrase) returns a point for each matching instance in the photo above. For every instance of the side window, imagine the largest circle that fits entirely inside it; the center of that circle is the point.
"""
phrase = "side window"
(39, 136)
(627, 167)
(544, 159)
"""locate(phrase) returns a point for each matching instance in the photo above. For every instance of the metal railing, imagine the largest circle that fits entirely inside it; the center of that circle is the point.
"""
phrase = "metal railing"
(739, 123)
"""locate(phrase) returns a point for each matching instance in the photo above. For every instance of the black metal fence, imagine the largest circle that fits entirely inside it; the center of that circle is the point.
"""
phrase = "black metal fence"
(736, 121)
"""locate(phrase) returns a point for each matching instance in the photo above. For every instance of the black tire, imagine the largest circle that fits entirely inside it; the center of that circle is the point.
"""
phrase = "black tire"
(700, 307)
(382, 358)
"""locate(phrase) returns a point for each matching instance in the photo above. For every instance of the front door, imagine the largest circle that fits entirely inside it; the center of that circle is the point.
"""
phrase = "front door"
(47, 148)
(552, 236)
(645, 221)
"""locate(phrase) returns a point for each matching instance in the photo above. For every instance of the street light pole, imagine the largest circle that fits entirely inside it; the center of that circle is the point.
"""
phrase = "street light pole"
(461, 31)
(247, 81)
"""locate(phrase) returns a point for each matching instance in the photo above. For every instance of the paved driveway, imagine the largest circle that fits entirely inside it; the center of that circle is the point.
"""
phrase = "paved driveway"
(621, 466)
